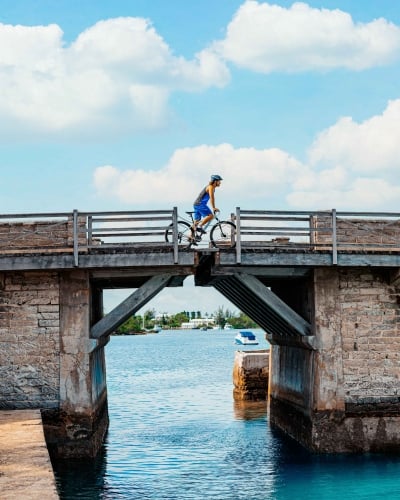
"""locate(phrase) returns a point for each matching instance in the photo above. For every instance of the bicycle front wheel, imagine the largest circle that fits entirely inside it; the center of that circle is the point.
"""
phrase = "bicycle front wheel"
(223, 235)
(185, 234)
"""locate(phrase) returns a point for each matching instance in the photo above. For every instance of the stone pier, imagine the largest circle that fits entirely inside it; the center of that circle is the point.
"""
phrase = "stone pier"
(49, 362)
(342, 393)
(250, 375)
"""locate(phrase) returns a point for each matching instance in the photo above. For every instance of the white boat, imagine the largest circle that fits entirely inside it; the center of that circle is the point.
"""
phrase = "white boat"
(246, 337)
(228, 327)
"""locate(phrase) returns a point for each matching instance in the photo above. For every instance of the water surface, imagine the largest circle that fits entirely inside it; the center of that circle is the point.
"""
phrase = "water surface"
(176, 434)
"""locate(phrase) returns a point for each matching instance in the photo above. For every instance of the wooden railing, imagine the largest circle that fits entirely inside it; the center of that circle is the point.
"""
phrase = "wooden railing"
(317, 231)
(76, 232)
(313, 231)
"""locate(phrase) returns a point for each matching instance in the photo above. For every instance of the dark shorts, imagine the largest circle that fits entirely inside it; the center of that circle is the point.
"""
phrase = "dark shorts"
(201, 211)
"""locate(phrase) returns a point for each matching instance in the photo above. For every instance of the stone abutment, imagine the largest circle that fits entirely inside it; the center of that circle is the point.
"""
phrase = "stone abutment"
(48, 361)
(343, 395)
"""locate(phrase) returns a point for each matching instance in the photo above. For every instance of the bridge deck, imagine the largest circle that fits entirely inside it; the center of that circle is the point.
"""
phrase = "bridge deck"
(149, 239)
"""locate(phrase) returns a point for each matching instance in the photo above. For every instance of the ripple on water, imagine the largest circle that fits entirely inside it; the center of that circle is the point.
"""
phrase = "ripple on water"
(176, 434)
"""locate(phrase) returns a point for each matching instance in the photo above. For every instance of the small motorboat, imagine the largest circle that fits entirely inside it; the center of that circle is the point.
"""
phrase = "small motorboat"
(246, 338)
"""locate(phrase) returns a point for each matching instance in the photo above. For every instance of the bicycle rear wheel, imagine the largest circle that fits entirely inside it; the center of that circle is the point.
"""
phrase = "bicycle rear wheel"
(223, 235)
(185, 234)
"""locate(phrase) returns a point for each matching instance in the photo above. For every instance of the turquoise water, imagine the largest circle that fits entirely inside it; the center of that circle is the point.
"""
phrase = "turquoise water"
(176, 434)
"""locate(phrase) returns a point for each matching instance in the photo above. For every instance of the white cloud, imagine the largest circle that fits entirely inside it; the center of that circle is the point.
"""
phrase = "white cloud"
(371, 146)
(265, 38)
(353, 165)
(118, 75)
(362, 194)
(249, 175)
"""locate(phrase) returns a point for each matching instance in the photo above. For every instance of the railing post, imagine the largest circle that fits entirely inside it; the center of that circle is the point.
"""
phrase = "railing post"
(90, 230)
(238, 240)
(75, 238)
(334, 238)
(175, 234)
(312, 227)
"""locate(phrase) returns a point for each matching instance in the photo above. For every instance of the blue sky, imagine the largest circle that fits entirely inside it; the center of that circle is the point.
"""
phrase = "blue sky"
(132, 104)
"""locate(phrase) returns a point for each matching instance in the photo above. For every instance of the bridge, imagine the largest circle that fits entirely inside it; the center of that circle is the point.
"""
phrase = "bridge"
(323, 285)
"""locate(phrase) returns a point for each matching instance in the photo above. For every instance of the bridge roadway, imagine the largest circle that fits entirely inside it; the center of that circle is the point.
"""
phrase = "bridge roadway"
(245, 280)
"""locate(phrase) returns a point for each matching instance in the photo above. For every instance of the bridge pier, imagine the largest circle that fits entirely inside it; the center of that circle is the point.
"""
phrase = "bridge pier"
(79, 425)
(343, 395)
(47, 359)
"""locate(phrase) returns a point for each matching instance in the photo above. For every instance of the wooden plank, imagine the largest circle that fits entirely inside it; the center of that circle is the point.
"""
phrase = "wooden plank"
(119, 235)
(131, 219)
(129, 306)
(270, 218)
(95, 231)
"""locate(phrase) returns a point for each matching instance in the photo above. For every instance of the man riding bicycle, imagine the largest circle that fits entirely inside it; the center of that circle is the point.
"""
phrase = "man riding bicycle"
(202, 213)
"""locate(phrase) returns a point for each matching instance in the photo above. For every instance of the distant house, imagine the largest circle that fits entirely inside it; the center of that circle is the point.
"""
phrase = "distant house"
(197, 322)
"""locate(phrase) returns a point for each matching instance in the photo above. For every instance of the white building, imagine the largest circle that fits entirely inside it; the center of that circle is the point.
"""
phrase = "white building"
(197, 322)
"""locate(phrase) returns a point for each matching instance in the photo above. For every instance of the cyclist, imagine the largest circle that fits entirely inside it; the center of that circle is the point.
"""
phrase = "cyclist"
(202, 212)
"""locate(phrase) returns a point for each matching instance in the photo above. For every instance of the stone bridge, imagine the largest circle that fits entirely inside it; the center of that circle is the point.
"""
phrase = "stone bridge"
(323, 285)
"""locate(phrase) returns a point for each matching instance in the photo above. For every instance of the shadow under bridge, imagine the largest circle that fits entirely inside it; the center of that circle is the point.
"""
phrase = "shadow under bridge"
(279, 304)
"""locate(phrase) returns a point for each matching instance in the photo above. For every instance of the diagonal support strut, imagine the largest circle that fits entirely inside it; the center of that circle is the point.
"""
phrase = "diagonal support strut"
(263, 306)
(129, 306)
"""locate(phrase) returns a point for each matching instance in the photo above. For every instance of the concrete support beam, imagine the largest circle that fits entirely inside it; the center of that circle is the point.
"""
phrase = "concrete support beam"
(75, 393)
(78, 428)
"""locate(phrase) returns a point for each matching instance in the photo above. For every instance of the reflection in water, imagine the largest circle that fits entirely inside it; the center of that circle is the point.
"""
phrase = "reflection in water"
(81, 478)
(250, 410)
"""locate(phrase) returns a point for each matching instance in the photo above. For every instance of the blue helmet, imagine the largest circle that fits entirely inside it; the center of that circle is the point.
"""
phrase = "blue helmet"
(216, 178)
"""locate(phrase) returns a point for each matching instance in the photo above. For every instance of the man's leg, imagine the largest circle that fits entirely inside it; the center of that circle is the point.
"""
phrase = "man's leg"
(205, 221)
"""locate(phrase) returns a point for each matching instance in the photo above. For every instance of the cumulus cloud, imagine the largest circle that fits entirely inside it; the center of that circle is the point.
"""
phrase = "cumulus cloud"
(353, 165)
(265, 38)
(370, 146)
(249, 174)
(361, 194)
(117, 74)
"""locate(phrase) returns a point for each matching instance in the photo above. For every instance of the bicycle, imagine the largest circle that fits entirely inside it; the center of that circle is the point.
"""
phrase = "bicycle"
(222, 233)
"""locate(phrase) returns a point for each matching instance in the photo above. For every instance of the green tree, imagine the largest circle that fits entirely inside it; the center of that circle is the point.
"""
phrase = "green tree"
(176, 320)
(237, 320)
(131, 325)
(242, 321)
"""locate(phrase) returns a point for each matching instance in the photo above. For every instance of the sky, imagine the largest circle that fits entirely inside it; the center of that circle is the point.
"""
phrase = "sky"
(133, 104)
